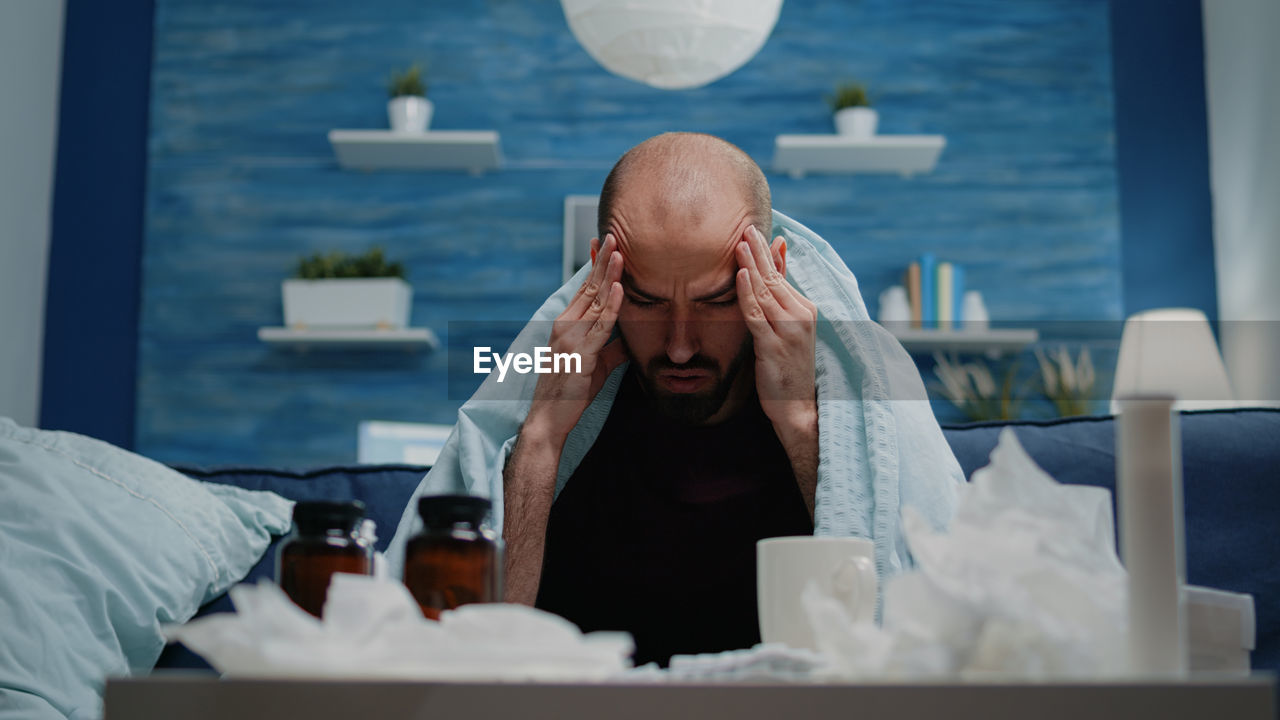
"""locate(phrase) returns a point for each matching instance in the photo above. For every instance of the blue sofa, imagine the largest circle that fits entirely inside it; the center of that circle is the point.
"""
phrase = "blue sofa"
(1231, 469)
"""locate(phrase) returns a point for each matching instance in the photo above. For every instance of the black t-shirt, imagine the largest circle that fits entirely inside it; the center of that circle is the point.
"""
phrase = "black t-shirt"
(655, 532)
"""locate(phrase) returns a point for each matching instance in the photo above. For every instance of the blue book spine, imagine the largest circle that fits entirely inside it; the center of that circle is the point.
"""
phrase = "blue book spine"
(957, 289)
(928, 291)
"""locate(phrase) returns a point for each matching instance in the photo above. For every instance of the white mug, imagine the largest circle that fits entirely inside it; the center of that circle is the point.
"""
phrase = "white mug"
(843, 567)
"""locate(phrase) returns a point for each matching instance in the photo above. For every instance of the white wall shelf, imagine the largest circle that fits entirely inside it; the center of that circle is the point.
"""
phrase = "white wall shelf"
(412, 339)
(472, 150)
(991, 342)
(903, 154)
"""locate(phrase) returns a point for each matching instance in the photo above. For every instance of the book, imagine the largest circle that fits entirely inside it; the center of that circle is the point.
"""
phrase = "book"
(945, 296)
(957, 294)
(912, 283)
(928, 291)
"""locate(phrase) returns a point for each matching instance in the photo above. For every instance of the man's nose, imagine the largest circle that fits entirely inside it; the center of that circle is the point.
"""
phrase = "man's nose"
(682, 337)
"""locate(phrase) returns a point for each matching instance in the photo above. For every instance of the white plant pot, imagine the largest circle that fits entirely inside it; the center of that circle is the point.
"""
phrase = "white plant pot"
(859, 122)
(347, 302)
(409, 113)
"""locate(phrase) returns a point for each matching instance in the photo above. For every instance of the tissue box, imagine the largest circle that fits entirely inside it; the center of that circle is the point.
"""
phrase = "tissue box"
(1220, 629)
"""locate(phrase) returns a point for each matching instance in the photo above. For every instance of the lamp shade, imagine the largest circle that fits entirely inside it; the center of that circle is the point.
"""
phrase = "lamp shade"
(672, 44)
(1171, 351)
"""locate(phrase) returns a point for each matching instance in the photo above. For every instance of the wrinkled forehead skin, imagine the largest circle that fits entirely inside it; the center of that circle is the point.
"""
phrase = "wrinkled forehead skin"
(678, 243)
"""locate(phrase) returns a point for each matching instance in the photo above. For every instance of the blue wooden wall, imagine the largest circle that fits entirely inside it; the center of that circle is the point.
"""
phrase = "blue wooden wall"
(241, 181)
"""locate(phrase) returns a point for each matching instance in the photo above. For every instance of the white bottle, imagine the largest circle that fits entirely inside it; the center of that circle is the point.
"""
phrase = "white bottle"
(895, 309)
(973, 312)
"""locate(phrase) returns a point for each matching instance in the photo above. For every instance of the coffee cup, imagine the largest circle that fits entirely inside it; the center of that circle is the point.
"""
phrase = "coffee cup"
(842, 567)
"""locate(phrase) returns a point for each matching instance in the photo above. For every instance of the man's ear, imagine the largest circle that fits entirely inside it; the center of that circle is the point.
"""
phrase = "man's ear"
(595, 247)
(779, 252)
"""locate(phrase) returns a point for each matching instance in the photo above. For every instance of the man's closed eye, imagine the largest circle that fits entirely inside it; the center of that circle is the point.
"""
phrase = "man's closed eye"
(640, 302)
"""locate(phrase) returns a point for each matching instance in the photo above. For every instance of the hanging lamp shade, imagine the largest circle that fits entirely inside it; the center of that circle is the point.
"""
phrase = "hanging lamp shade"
(672, 44)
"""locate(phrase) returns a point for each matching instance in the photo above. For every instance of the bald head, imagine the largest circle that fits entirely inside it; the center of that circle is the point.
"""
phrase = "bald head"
(680, 173)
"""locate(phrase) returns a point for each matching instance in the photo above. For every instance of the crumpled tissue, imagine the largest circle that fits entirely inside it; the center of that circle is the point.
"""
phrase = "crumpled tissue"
(1025, 584)
(373, 628)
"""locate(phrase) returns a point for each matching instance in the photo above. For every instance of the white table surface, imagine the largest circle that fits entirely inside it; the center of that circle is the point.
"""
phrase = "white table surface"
(204, 697)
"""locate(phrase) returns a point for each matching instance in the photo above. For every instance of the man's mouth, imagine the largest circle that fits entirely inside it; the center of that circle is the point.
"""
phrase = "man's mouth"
(684, 381)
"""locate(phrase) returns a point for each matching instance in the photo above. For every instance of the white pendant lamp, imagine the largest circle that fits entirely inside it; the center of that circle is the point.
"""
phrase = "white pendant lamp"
(672, 44)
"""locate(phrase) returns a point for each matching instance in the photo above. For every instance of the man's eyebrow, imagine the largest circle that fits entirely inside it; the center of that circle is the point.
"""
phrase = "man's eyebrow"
(630, 285)
(732, 284)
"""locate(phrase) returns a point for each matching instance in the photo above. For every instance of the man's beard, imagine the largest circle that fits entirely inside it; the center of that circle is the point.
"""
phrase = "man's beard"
(692, 408)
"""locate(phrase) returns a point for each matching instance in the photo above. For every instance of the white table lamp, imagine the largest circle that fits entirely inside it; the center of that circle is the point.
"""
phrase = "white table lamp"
(1171, 351)
(1168, 362)
(672, 44)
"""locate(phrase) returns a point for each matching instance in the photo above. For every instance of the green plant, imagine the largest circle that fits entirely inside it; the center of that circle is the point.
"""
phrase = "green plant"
(847, 95)
(372, 264)
(409, 82)
(971, 387)
(1068, 384)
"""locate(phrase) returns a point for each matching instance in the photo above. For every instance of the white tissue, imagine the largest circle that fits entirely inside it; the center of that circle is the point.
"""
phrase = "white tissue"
(1026, 583)
(372, 628)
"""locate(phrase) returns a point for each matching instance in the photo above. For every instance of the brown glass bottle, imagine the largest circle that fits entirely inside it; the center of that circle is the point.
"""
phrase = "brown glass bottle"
(326, 539)
(455, 560)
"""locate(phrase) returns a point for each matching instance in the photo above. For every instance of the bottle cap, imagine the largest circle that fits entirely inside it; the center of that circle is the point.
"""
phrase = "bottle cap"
(437, 510)
(317, 517)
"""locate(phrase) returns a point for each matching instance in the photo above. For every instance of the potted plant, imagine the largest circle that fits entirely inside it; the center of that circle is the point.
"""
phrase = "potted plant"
(334, 290)
(853, 113)
(408, 110)
(1067, 384)
(971, 387)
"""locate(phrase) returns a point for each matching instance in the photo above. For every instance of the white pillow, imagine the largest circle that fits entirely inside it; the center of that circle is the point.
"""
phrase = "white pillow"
(98, 547)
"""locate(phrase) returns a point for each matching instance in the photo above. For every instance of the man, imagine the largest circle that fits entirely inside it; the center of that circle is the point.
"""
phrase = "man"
(730, 389)
(717, 339)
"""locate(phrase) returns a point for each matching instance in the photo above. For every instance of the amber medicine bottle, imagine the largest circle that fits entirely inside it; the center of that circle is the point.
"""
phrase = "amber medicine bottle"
(455, 559)
(327, 538)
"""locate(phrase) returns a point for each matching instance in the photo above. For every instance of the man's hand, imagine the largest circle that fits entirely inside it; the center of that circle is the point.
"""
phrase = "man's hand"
(584, 327)
(529, 479)
(783, 325)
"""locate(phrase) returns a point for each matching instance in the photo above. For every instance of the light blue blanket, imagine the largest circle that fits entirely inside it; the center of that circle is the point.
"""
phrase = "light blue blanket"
(880, 447)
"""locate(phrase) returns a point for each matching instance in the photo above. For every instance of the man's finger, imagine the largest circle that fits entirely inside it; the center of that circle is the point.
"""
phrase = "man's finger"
(594, 281)
(595, 248)
(612, 274)
(763, 293)
(749, 304)
(762, 257)
(596, 278)
(766, 264)
(602, 328)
